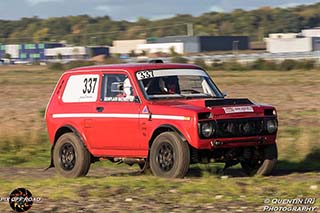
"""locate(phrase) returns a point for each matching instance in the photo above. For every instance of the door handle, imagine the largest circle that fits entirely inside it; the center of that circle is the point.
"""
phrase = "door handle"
(100, 109)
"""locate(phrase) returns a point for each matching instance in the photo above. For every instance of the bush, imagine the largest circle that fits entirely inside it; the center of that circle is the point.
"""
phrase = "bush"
(200, 62)
(262, 64)
(112, 60)
(179, 59)
(234, 66)
(70, 65)
(306, 64)
(78, 63)
(288, 64)
(55, 66)
(217, 66)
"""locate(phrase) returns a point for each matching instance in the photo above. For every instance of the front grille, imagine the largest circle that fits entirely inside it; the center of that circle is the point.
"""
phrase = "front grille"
(240, 127)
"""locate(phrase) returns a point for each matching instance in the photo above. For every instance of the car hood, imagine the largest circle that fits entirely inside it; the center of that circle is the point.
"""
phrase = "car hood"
(230, 107)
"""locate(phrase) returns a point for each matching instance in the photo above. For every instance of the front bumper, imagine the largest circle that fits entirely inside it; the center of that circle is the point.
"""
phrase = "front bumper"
(213, 143)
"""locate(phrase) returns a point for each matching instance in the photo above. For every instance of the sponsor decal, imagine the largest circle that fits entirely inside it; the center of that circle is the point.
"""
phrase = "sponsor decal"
(238, 109)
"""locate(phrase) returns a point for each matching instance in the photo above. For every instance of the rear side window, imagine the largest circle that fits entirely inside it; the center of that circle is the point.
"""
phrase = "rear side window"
(81, 88)
(117, 88)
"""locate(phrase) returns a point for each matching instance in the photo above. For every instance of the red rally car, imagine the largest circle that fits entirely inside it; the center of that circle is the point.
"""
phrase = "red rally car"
(160, 116)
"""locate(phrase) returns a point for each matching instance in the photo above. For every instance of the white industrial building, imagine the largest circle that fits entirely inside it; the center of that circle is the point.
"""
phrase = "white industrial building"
(306, 41)
(77, 52)
(275, 45)
(315, 32)
(13, 50)
(160, 48)
(125, 46)
(283, 35)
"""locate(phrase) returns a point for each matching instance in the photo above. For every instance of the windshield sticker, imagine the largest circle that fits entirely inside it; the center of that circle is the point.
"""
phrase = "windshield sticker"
(145, 74)
(229, 110)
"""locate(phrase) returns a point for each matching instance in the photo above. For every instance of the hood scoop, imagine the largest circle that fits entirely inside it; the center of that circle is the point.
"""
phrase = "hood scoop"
(227, 102)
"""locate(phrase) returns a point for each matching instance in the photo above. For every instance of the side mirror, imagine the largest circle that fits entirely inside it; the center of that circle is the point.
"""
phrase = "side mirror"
(224, 94)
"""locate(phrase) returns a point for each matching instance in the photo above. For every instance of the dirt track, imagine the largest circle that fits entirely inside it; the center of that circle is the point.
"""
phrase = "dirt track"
(42, 173)
(119, 201)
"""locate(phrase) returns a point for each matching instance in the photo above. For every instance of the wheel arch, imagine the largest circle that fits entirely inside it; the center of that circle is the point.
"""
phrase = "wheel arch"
(62, 130)
(166, 128)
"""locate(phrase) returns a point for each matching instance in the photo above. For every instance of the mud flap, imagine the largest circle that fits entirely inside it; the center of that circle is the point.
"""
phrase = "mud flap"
(271, 151)
(51, 161)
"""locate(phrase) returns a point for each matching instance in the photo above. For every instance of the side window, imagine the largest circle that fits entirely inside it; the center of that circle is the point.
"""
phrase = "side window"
(117, 88)
(81, 88)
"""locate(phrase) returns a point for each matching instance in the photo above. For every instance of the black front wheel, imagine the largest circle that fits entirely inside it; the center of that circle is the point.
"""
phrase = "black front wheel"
(262, 161)
(169, 156)
(71, 158)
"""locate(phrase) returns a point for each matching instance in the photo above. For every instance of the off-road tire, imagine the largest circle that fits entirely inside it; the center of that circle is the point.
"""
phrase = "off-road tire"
(267, 163)
(180, 152)
(81, 157)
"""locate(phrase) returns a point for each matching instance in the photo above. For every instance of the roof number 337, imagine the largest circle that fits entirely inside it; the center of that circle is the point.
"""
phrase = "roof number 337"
(144, 74)
(89, 85)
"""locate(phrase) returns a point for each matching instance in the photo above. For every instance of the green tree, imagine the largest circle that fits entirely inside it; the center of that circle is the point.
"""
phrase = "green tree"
(78, 30)
(173, 52)
(7, 56)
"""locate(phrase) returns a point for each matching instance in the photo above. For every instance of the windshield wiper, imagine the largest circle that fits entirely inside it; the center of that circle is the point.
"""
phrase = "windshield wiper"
(211, 96)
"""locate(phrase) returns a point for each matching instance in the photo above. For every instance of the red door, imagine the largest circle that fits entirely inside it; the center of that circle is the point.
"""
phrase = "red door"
(114, 127)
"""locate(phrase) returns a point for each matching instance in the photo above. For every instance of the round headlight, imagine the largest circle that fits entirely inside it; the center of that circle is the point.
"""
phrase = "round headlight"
(272, 126)
(207, 129)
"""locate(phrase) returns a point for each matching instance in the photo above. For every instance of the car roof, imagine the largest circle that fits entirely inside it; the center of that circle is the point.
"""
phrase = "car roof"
(135, 67)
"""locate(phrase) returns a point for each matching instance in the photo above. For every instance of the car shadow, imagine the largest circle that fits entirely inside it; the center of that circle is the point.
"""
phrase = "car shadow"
(198, 172)
(311, 163)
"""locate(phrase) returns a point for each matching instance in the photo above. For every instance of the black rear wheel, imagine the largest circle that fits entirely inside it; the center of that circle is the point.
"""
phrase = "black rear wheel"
(71, 158)
(262, 162)
(169, 156)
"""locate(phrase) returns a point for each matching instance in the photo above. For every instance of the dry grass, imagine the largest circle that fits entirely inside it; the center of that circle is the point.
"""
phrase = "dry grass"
(103, 189)
(25, 91)
(24, 94)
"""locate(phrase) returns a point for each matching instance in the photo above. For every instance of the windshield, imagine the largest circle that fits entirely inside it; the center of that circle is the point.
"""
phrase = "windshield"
(174, 83)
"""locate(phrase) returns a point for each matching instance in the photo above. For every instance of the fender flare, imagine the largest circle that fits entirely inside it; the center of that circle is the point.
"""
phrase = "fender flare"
(62, 130)
(163, 128)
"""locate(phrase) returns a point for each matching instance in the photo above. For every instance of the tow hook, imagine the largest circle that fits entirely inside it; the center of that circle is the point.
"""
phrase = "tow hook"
(262, 140)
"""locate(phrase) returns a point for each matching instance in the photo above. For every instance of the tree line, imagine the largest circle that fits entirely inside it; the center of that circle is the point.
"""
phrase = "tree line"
(86, 30)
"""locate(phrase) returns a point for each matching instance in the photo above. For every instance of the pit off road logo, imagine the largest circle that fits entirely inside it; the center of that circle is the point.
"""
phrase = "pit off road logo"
(21, 200)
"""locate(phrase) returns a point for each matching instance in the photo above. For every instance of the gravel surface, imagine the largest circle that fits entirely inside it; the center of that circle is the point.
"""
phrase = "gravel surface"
(120, 202)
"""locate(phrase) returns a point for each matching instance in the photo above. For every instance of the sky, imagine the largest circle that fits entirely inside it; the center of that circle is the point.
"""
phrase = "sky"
(131, 10)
